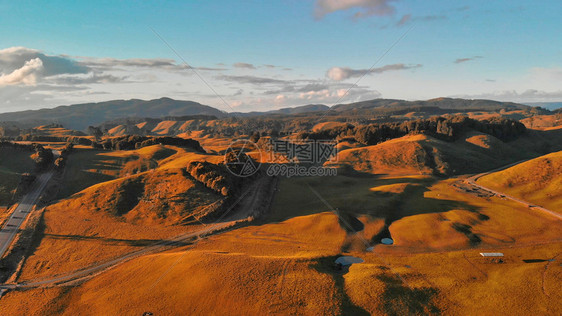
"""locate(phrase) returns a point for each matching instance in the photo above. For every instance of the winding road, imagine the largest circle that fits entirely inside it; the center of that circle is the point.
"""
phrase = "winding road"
(472, 181)
(246, 206)
(22, 211)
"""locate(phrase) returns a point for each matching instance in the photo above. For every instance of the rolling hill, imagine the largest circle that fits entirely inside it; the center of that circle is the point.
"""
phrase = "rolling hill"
(422, 154)
(547, 105)
(442, 103)
(80, 116)
(538, 181)
(287, 111)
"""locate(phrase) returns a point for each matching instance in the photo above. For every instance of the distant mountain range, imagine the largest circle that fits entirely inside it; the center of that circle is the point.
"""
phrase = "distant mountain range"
(287, 111)
(547, 105)
(443, 103)
(80, 116)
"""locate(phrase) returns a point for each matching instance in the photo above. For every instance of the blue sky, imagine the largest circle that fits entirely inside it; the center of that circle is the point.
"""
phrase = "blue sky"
(261, 55)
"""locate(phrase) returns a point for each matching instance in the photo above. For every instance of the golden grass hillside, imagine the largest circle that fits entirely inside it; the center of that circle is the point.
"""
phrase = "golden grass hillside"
(87, 167)
(55, 130)
(538, 181)
(426, 155)
(543, 121)
(114, 218)
(123, 214)
(287, 267)
(402, 155)
(423, 213)
(283, 263)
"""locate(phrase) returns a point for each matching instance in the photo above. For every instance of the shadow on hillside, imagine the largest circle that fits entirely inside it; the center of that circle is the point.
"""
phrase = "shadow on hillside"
(400, 299)
(87, 168)
(327, 266)
(354, 199)
(117, 241)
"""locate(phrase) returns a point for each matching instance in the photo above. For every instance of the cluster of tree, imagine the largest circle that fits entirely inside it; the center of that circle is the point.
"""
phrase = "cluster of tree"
(276, 126)
(40, 138)
(77, 140)
(137, 141)
(42, 157)
(445, 128)
(213, 176)
(22, 147)
(95, 131)
(537, 110)
(502, 128)
(60, 162)
(9, 131)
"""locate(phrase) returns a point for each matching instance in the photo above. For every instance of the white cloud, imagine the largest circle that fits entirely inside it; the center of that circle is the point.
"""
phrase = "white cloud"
(92, 78)
(366, 7)
(342, 73)
(528, 95)
(244, 65)
(280, 99)
(132, 62)
(331, 96)
(465, 59)
(27, 74)
(404, 20)
(14, 58)
(251, 80)
(236, 103)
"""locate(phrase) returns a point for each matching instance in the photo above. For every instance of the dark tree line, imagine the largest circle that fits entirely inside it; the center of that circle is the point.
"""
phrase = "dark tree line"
(136, 141)
(213, 176)
(445, 128)
(43, 157)
(60, 162)
(17, 146)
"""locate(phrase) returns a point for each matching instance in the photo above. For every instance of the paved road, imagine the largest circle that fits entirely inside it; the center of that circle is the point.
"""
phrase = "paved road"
(12, 225)
(472, 181)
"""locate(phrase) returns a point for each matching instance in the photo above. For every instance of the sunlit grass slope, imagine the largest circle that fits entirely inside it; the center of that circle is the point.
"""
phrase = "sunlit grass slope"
(134, 208)
(538, 181)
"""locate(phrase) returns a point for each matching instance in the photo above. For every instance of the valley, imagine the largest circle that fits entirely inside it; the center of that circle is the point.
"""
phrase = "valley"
(164, 222)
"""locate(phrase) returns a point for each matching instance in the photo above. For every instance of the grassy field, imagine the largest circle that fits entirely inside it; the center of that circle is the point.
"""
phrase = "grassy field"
(12, 164)
(538, 181)
(129, 200)
(287, 268)
(283, 263)
(349, 192)
(87, 167)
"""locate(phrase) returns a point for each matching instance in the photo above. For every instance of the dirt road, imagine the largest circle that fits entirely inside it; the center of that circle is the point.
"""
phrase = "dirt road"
(247, 204)
(472, 181)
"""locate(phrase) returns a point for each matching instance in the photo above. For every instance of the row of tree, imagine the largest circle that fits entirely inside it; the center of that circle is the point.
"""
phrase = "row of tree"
(60, 162)
(214, 177)
(43, 157)
(136, 141)
(445, 128)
